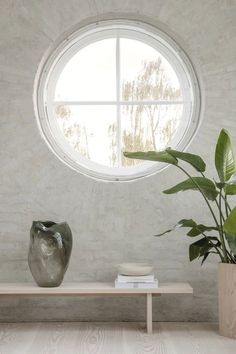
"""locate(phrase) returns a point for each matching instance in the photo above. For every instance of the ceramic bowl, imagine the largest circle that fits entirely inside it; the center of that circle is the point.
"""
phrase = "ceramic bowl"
(135, 269)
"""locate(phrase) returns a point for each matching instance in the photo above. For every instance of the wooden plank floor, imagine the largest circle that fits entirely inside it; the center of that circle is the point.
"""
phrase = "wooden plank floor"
(113, 338)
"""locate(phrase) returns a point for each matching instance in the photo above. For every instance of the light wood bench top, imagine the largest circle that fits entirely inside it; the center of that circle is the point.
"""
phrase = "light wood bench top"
(90, 288)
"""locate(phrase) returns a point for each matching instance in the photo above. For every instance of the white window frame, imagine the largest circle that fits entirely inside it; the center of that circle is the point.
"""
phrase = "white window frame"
(56, 58)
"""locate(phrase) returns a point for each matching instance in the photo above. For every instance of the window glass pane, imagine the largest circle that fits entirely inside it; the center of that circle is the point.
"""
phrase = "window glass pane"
(148, 127)
(90, 75)
(90, 130)
(146, 74)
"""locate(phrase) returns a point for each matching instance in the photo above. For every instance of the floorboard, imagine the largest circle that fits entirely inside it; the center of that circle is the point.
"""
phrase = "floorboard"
(113, 338)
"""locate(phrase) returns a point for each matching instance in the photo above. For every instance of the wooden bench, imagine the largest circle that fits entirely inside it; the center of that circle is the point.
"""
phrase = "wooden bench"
(18, 289)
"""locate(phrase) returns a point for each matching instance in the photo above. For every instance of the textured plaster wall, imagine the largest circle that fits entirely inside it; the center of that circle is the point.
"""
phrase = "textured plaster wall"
(111, 222)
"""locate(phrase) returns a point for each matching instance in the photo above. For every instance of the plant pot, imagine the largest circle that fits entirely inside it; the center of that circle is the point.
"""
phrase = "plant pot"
(49, 252)
(227, 299)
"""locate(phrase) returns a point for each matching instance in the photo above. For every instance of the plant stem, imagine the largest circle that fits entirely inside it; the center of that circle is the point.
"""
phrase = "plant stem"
(211, 210)
(221, 225)
(227, 209)
(219, 207)
(208, 204)
(227, 206)
(230, 257)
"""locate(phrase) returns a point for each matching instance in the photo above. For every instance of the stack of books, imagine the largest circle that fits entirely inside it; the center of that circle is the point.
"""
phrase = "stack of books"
(136, 282)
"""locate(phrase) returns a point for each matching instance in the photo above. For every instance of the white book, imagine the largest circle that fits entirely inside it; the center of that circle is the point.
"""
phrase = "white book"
(135, 285)
(136, 278)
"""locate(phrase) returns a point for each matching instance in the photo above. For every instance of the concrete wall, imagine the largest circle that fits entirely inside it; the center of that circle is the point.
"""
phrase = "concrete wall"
(111, 222)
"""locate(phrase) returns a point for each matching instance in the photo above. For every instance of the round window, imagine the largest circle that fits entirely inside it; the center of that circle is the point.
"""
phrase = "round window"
(116, 86)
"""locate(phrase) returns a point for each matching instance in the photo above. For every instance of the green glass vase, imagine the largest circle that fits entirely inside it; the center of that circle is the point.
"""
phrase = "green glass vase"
(49, 252)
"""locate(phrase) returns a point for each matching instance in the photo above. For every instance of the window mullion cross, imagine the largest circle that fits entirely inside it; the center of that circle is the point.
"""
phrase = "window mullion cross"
(118, 105)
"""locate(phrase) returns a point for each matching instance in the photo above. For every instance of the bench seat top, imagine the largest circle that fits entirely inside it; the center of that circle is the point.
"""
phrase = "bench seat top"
(90, 288)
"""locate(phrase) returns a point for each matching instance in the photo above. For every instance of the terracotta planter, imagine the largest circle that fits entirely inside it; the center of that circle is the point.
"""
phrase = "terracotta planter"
(227, 299)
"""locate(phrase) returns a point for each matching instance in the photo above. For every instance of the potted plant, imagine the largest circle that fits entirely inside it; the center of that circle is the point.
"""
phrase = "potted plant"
(220, 236)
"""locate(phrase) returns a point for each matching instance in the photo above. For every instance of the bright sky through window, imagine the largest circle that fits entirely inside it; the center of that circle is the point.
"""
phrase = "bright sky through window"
(94, 89)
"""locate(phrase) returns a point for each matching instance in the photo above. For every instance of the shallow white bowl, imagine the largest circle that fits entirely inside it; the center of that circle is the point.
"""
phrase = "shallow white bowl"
(135, 269)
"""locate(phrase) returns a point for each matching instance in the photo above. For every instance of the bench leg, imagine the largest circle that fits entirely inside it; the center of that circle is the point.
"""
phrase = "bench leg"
(149, 313)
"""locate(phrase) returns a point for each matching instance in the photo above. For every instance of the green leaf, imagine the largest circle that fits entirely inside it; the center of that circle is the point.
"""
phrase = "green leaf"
(205, 257)
(232, 179)
(186, 223)
(230, 189)
(206, 186)
(224, 157)
(230, 185)
(230, 230)
(161, 156)
(199, 248)
(198, 229)
(230, 223)
(194, 160)
(231, 239)
(181, 223)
